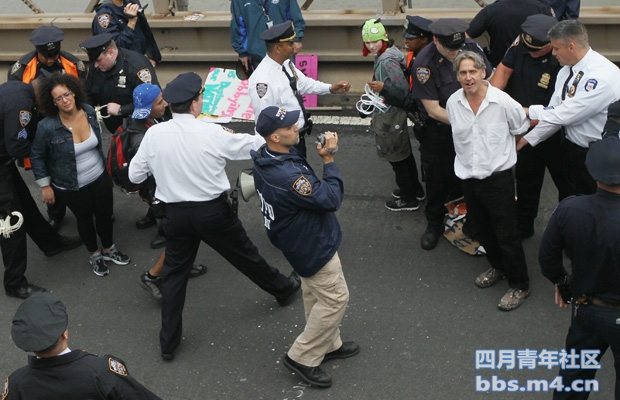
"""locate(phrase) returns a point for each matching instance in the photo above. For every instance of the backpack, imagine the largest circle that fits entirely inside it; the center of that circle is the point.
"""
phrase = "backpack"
(124, 144)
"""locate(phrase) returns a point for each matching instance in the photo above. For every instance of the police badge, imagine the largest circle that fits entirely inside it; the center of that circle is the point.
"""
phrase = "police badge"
(16, 67)
(24, 117)
(261, 89)
(104, 20)
(302, 186)
(423, 74)
(122, 81)
(117, 367)
(144, 75)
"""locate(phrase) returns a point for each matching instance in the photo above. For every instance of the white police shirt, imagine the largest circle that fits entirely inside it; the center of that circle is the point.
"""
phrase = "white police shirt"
(484, 142)
(269, 86)
(595, 84)
(188, 157)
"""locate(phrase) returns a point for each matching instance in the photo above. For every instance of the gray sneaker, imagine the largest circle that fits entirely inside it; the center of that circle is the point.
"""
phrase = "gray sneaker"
(115, 256)
(402, 205)
(99, 267)
(153, 285)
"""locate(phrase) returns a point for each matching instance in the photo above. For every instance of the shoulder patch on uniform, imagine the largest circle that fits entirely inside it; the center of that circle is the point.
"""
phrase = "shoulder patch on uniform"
(144, 75)
(24, 117)
(80, 66)
(302, 186)
(104, 20)
(117, 366)
(227, 129)
(423, 74)
(590, 84)
(5, 391)
(16, 67)
(516, 42)
(261, 89)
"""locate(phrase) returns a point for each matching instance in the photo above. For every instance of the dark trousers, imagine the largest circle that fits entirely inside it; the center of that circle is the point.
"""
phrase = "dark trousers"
(492, 208)
(592, 328)
(406, 172)
(530, 175)
(574, 161)
(437, 156)
(16, 197)
(185, 226)
(92, 206)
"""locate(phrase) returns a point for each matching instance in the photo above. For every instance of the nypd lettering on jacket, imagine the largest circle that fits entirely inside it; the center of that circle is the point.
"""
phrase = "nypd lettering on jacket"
(267, 210)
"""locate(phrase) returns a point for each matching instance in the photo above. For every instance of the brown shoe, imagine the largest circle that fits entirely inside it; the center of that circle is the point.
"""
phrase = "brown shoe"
(513, 299)
(489, 278)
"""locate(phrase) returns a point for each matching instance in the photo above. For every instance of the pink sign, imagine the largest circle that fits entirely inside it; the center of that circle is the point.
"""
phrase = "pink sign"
(309, 65)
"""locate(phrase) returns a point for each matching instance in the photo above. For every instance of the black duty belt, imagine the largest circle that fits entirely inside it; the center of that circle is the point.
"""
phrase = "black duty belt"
(584, 299)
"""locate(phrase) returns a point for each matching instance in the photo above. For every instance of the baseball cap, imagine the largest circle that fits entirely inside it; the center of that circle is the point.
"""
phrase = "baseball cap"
(143, 97)
(273, 118)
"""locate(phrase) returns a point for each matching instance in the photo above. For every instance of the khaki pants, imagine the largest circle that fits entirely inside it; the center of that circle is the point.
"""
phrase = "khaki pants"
(326, 296)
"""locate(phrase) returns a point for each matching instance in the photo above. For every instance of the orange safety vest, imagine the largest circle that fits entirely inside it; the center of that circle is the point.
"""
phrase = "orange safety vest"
(30, 72)
(410, 58)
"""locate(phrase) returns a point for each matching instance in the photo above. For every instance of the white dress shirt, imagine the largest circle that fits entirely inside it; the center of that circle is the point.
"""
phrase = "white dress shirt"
(584, 113)
(188, 157)
(484, 142)
(269, 86)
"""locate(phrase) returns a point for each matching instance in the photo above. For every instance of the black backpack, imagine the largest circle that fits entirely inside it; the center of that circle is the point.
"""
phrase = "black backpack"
(123, 146)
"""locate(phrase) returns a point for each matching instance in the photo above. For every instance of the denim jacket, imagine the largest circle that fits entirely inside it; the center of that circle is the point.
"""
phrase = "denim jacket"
(53, 152)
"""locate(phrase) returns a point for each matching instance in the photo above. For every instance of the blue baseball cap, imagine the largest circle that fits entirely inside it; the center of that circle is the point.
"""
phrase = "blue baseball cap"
(273, 118)
(144, 96)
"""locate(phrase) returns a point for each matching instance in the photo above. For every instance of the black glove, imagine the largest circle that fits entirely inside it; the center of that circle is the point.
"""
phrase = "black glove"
(564, 289)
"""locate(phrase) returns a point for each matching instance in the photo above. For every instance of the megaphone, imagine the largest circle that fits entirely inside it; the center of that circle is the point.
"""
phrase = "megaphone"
(245, 182)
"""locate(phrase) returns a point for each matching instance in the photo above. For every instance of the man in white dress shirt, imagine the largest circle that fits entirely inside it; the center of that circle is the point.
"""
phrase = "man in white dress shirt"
(276, 81)
(187, 158)
(484, 123)
(586, 85)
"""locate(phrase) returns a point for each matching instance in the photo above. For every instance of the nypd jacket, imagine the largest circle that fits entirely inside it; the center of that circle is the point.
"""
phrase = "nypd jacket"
(53, 155)
(298, 207)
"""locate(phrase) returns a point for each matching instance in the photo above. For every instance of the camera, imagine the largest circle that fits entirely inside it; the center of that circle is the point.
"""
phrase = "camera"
(321, 139)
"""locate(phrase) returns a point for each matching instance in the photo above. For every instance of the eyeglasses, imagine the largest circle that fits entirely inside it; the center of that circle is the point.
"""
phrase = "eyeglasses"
(63, 97)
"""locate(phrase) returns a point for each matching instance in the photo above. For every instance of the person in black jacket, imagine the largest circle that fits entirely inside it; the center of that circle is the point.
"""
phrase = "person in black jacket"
(586, 230)
(55, 372)
(299, 217)
(114, 74)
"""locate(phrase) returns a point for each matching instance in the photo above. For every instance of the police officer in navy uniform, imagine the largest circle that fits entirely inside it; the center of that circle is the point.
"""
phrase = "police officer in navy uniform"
(18, 120)
(502, 20)
(528, 73)
(114, 74)
(126, 22)
(187, 158)
(435, 81)
(56, 372)
(47, 58)
(586, 229)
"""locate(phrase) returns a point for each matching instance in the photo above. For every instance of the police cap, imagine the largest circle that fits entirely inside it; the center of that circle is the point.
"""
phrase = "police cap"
(273, 118)
(450, 32)
(39, 322)
(417, 27)
(612, 125)
(46, 39)
(183, 88)
(95, 45)
(535, 28)
(603, 162)
(284, 32)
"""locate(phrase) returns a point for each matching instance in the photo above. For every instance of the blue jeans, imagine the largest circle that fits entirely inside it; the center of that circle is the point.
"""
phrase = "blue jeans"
(592, 328)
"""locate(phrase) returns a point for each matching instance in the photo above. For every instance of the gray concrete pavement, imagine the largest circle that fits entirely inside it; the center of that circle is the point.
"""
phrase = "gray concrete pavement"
(417, 314)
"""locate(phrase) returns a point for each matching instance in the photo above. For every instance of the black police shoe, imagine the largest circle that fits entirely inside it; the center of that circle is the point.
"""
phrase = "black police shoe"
(293, 289)
(348, 349)
(313, 375)
(66, 243)
(158, 241)
(431, 237)
(147, 221)
(25, 291)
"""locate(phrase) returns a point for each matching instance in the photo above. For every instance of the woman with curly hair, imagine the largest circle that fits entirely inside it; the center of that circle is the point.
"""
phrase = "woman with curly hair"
(68, 162)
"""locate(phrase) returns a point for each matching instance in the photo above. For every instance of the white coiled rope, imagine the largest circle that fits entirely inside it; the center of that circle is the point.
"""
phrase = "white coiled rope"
(370, 101)
(100, 117)
(6, 229)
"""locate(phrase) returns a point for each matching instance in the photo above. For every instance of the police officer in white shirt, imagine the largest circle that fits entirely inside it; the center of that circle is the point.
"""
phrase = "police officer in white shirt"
(276, 81)
(484, 122)
(584, 88)
(187, 158)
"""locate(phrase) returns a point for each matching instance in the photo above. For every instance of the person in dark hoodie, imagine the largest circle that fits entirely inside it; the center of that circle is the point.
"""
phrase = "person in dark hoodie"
(298, 210)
